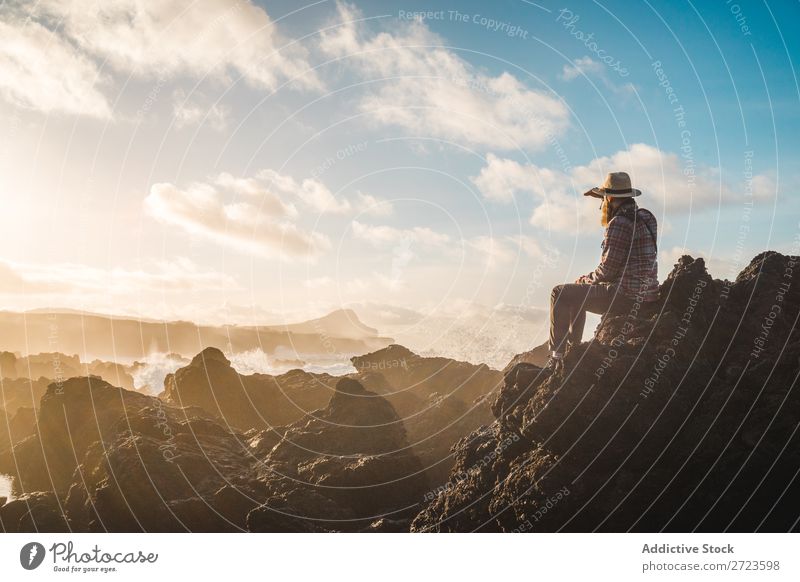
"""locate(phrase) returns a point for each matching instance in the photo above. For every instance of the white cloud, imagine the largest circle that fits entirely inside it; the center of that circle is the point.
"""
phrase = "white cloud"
(588, 67)
(505, 249)
(51, 51)
(583, 66)
(260, 223)
(368, 204)
(311, 191)
(389, 235)
(189, 112)
(40, 70)
(670, 184)
(255, 215)
(196, 37)
(171, 276)
(430, 90)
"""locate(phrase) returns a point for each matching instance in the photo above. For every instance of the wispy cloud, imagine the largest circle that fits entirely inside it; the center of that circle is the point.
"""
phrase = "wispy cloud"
(41, 70)
(311, 191)
(195, 110)
(670, 184)
(259, 223)
(51, 51)
(389, 235)
(429, 90)
(60, 279)
(588, 67)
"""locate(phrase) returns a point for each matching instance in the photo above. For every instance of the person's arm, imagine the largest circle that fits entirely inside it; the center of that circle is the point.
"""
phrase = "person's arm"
(617, 246)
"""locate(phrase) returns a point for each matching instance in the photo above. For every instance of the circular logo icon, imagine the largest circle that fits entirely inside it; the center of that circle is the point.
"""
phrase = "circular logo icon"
(31, 555)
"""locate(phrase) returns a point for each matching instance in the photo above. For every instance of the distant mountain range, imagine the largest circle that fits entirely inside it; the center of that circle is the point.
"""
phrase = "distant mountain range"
(339, 334)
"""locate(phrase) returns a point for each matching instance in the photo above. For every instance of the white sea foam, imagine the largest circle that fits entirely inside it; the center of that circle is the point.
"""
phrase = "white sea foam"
(149, 375)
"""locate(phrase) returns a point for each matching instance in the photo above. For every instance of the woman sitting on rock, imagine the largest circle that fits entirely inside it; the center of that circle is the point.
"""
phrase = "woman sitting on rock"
(627, 273)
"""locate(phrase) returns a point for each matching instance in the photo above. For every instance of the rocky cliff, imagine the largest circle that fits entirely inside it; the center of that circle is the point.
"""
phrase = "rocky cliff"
(681, 415)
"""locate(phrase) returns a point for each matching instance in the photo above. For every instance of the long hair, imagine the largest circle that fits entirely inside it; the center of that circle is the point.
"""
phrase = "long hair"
(627, 206)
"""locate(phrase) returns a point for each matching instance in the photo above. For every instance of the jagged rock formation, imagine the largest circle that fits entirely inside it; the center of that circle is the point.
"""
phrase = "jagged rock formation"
(244, 402)
(107, 459)
(681, 415)
(117, 460)
(537, 356)
(14, 428)
(21, 392)
(342, 468)
(439, 399)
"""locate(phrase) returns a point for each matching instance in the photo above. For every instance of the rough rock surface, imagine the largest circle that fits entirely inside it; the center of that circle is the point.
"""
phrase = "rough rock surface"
(117, 460)
(681, 415)
(107, 459)
(341, 468)
(439, 399)
(244, 402)
(21, 392)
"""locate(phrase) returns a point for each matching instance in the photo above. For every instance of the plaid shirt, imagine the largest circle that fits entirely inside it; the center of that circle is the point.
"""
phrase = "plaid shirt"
(629, 256)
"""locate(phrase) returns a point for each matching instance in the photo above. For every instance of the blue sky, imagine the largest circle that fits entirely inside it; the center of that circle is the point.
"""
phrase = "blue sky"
(239, 161)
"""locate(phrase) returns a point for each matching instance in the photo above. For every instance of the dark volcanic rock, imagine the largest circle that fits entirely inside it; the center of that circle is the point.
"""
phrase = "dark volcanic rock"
(21, 392)
(108, 459)
(246, 401)
(681, 415)
(118, 460)
(439, 399)
(33, 512)
(341, 468)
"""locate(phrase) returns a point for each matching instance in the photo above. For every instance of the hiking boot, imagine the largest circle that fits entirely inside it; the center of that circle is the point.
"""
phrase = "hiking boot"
(555, 364)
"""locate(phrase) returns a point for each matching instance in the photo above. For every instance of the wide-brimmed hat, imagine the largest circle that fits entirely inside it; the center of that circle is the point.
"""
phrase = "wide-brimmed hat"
(617, 185)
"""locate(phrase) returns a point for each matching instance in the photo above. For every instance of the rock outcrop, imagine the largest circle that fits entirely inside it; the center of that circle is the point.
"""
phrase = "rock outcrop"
(681, 415)
(439, 399)
(344, 467)
(244, 402)
(102, 458)
(21, 392)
